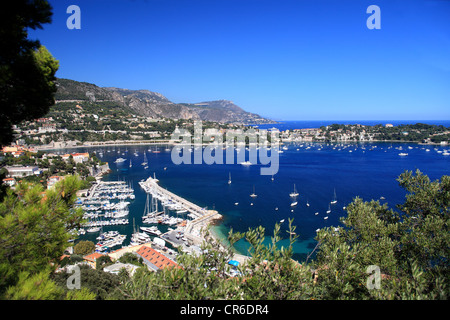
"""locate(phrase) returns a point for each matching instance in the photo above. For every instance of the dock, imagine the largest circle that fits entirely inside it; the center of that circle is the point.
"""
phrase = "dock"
(202, 217)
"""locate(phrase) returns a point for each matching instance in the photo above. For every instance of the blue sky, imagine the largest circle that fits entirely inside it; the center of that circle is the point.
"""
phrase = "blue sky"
(286, 60)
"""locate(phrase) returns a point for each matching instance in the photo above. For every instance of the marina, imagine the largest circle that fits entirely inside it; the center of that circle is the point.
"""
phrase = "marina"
(321, 177)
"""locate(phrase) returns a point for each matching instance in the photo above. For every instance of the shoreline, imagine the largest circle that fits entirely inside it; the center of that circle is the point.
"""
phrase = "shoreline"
(171, 143)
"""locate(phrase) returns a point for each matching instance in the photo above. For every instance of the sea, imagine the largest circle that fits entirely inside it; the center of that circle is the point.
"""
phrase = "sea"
(320, 173)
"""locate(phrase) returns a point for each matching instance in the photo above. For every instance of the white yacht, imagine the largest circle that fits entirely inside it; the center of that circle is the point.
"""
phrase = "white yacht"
(151, 230)
(120, 160)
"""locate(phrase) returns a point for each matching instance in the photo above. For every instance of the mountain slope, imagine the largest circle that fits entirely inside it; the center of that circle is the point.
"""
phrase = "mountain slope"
(155, 105)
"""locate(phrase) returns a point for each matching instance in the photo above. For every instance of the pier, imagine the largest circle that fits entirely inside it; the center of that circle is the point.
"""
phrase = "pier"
(202, 217)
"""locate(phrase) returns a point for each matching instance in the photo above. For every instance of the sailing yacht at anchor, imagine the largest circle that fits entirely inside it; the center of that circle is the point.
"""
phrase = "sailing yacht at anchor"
(253, 195)
(334, 198)
(145, 163)
(294, 193)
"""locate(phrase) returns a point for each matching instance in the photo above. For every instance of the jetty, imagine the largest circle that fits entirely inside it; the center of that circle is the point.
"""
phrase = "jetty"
(201, 217)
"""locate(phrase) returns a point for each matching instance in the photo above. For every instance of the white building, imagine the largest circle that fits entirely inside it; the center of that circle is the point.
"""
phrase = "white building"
(20, 172)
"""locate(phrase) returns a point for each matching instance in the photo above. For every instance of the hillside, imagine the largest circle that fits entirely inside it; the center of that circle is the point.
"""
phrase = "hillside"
(155, 105)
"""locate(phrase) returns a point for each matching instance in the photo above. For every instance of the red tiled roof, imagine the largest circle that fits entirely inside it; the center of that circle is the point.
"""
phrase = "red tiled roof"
(92, 257)
(156, 258)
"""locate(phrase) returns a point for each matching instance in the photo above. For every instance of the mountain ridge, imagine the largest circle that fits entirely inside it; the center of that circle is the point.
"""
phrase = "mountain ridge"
(152, 104)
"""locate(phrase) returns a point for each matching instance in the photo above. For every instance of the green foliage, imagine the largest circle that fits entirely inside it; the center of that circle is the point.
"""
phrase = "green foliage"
(27, 69)
(84, 247)
(411, 246)
(131, 258)
(34, 287)
(35, 228)
(94, 283)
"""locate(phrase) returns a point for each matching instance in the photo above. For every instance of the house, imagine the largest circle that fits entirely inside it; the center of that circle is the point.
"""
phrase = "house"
(9, 181)
(91, 259)
(8, 149)
(77, 157)
(22, 171)
(154, 259)
(116, 254)
(17, 154)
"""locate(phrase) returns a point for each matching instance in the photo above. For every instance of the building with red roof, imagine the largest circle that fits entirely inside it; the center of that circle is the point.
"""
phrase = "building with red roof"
(154, 259)
(92, 258)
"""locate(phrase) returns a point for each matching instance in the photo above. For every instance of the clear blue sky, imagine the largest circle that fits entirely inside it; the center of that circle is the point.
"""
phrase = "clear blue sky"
(287, 60)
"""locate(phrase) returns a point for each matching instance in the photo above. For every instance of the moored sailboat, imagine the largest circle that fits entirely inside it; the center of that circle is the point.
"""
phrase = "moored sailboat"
(294, 193)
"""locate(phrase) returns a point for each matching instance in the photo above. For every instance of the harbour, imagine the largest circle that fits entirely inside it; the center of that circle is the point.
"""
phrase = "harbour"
(327, 176)
(101, 212)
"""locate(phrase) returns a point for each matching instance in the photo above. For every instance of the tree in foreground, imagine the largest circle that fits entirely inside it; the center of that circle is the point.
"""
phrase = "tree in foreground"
(410, 246)
(27, 69)
(35, 227)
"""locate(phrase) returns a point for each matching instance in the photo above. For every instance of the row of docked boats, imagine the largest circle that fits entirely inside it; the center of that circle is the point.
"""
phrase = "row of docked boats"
(100, 209)
(107, 240)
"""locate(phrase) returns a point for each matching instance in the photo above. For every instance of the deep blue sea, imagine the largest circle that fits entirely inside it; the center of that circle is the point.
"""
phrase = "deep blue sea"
(289, 125)
(318, 170)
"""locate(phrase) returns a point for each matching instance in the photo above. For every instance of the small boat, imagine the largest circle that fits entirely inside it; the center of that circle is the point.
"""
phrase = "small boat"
(402, 154)
(316, 213)
(294, 194)
(145, 163)
(293, 204)
(329, 209)
(282, 220)
(246, 163)
(120, 160)
(253, 195)
(236, 203)
(334, 198)
(229, 178)
(307, 203)
(325, 218)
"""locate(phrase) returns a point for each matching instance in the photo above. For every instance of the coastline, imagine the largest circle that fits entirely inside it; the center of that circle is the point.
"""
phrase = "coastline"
(93, 144)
